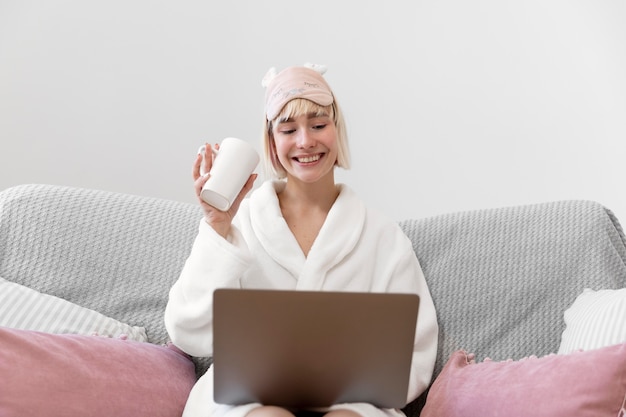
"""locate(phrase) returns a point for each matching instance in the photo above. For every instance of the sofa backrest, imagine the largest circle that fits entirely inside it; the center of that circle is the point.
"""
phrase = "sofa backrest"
(501, 279)
(114, 253)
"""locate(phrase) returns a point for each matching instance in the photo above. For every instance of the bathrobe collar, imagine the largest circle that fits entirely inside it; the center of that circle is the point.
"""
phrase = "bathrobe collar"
(337, 238)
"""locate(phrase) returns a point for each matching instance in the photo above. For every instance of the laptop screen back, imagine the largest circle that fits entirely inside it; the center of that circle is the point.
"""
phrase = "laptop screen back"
(301, 349)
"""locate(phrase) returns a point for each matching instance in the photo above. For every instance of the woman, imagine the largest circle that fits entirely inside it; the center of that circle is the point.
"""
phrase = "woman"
(300, 231)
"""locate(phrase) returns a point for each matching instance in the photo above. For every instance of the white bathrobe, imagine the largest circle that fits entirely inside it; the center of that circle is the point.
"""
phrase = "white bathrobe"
(356, 250)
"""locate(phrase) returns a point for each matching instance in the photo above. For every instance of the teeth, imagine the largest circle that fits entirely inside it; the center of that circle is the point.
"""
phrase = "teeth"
(308, 159)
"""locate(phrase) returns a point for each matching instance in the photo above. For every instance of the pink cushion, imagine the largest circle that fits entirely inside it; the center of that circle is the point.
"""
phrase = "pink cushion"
(51, 375)
(581, 384)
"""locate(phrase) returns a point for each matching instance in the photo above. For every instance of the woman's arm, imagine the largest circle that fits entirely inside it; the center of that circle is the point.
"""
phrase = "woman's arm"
(214, 262)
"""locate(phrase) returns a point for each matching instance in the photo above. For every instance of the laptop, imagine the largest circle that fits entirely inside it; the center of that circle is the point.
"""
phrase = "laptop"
(308, 349)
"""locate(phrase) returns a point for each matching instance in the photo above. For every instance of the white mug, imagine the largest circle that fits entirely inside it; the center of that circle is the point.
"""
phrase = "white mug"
(233, 165)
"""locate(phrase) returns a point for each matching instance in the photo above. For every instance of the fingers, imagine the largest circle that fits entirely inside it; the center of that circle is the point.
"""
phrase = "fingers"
(200, 171)
(249, 184)
(195, 172)
(198, 184)
(247, 187)
(204, 161)
(207, 158)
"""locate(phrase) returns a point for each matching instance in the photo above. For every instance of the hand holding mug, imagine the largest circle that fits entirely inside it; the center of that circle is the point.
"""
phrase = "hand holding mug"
(230, 177)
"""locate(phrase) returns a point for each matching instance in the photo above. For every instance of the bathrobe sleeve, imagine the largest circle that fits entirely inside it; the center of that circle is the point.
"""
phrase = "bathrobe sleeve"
(214, 262)
(400, 271)
(427, 329)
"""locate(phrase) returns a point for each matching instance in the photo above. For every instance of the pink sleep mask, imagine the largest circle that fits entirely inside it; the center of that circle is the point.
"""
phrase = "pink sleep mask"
(295, 82)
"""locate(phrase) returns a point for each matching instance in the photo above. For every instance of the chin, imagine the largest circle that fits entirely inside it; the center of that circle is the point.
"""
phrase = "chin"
(312, 179)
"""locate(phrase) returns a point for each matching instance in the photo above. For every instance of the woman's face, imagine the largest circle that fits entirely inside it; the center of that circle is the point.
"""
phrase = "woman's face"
(306, 146)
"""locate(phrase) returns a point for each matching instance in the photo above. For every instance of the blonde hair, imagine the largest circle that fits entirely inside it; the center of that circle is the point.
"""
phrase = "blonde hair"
(295, 108)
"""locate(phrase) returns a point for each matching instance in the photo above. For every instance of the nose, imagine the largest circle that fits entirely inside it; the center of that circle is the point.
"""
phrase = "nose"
(305, 140)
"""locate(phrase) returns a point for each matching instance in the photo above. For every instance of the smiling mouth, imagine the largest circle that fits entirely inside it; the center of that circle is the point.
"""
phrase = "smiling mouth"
(308, 159)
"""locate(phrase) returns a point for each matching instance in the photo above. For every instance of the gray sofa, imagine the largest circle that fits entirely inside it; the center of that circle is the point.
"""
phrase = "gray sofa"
(500, 278)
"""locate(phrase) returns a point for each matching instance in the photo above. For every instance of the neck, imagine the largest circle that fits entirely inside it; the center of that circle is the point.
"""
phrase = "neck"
(318, 195)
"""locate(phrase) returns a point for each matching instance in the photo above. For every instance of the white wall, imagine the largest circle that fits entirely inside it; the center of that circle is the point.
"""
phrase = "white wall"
(451, 104)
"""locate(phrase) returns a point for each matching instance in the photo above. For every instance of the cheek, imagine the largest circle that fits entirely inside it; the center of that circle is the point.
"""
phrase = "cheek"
(280, 147)
(331, 143)
(281, 150)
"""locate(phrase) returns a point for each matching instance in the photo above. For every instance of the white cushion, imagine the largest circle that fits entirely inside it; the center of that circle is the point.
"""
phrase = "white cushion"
(595, 319)
(24, 308)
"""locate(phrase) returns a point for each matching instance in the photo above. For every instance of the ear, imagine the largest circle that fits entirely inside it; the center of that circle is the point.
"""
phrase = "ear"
(321, 69)
(269, 76)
